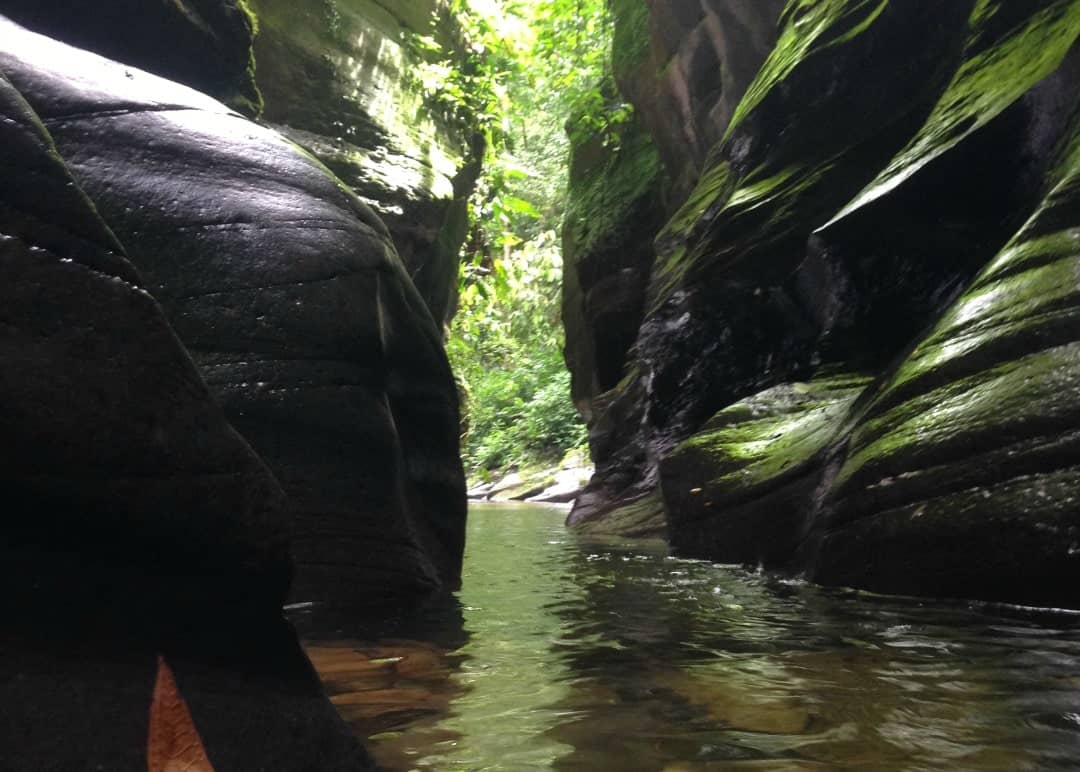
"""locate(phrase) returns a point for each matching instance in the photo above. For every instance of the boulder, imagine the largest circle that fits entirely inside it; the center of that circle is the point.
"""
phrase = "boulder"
(144, 541)
(287, 291)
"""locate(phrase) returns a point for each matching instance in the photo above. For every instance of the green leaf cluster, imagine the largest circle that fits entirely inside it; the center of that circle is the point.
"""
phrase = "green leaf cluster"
(528, 67)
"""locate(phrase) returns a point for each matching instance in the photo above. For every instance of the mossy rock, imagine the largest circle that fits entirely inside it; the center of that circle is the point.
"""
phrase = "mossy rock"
(641, 518)
(339, 78)
(970, 451)
(850, 202)
(614, 175)
(760, 198)
(614, 208)
(739, 489)
(630, 43)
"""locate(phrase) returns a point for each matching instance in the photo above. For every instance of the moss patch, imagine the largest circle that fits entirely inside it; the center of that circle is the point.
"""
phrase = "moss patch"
(997, 71)
(602, 199)
(745, 449)
(630, 43)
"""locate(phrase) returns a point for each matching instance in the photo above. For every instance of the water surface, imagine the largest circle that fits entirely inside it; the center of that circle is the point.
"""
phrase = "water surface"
(564, 654)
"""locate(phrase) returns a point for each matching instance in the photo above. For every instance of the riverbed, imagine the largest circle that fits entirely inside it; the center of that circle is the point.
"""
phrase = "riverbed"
(564, 654)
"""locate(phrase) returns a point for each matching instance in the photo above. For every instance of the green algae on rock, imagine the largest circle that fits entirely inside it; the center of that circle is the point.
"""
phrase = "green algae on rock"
(739, 489)
(1009, 49)
(338, 77)
(972, 444)
(850, 202)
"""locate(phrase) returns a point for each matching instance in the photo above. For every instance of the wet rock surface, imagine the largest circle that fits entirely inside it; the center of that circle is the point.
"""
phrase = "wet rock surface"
(111, 433)
(290, 297)
(205, 44)
(141, 532)
(860, 195)
(338, 77)
(970, 447)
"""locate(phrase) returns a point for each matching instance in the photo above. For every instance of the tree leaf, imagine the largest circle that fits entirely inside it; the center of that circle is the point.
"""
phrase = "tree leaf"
(174, 744)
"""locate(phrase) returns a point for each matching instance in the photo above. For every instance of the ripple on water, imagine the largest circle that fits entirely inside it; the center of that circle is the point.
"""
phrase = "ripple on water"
(559, 654)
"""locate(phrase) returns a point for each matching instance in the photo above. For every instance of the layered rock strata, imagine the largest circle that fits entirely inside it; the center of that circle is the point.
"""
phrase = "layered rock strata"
(288, 293)
(821, 377)
(142, 534)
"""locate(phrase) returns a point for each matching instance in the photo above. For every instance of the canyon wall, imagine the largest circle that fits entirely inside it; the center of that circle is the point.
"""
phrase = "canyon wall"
(341, 78)
(853, 355)
(225, 389)
(279, 278)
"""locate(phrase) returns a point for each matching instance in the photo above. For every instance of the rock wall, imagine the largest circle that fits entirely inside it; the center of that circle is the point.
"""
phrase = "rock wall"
(220, 379)
(614, 206)
(836, 370)
(339, 77)
(685, 66)
(288, 293)
(144, 541)
(205, 44)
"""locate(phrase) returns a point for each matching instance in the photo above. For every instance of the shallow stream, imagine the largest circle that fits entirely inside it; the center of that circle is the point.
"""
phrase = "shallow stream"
(572, 655)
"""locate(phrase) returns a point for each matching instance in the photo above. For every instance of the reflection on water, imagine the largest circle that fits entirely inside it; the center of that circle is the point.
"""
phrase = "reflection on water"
(566, 655)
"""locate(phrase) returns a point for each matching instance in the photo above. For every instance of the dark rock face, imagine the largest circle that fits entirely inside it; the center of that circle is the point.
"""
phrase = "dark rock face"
(685, 66)
(205, 44)
(111, 433)
(673, 63)
(613, 208)
(851, 200)
(337, 77)
(76, 701)
(967, 457)
(138, 524)
(288, 293)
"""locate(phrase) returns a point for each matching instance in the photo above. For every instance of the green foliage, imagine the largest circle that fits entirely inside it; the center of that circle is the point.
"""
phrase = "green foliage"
(506, 347)
(527, 67)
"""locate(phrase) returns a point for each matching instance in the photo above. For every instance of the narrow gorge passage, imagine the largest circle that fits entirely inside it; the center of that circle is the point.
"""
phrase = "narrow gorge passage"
(599, 385)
